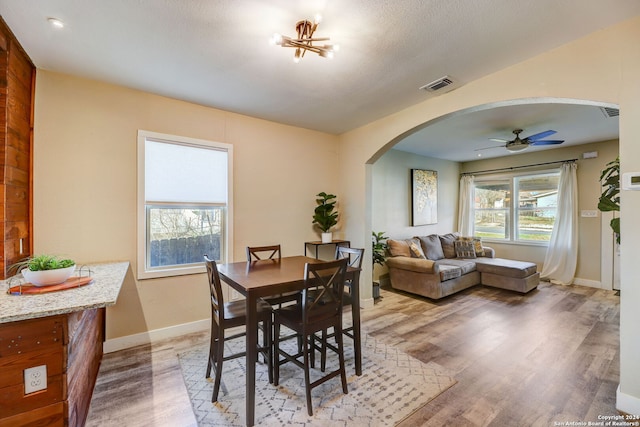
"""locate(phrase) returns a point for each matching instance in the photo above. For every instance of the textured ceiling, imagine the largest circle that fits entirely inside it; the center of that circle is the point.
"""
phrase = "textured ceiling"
(216, 52)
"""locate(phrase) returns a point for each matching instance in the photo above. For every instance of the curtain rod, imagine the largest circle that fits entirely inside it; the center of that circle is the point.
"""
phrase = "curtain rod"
(519, 167)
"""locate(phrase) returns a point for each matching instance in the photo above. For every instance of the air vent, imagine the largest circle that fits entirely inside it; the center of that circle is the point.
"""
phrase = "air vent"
(610, 112)
(435, 85)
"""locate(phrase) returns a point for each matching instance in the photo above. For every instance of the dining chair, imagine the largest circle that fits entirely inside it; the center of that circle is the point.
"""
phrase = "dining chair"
(257, 253)
(320, 309)
(354, 258)
(225, 315)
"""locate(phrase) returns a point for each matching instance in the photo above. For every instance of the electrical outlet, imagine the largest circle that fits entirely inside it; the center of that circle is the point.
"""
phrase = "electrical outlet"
(35, 379)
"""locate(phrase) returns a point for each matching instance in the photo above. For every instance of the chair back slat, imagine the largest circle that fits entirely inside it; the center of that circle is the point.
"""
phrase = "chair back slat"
(256, 253)
(215, 288)
(353, 255)
(326, 281)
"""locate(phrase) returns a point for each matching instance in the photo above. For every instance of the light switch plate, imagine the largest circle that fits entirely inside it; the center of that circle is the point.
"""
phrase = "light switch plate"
(589, 213)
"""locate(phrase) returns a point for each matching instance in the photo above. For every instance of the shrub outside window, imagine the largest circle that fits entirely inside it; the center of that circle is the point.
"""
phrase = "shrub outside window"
(529, 219)
(184, 190)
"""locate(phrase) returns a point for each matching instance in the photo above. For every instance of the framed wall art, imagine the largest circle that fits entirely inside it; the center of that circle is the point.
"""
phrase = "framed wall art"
(424, 197)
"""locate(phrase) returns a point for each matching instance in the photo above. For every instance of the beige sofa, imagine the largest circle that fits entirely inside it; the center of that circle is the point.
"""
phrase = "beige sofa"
(436, 266)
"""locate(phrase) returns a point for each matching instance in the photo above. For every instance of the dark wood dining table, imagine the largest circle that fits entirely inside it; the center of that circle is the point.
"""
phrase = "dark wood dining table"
(255, 279)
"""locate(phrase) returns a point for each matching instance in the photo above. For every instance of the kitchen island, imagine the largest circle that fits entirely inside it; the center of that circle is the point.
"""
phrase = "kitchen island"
(59, 334)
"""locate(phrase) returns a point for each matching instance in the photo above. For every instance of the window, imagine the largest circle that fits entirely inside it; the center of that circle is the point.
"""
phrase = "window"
(184, 188)
(516, 208)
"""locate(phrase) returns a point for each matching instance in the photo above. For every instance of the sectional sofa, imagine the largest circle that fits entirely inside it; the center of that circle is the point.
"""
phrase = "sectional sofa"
(436, 266)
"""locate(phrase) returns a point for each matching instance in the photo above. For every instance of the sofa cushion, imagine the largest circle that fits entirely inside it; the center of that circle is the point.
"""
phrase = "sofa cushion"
(464, 249)
(416, 249)
(448, 272)
(506, 267)
(477, 244)
(446, 241)
(466, 266)
(432, 247)
(398, 247)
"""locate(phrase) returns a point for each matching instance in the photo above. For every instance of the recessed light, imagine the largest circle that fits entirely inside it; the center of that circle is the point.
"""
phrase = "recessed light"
(55, 23)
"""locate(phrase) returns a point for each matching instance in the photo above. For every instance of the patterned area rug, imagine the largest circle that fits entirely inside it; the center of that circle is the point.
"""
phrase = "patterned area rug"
(393, 386)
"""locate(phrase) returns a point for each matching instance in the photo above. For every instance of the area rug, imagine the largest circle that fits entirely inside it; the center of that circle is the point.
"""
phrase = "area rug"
(393, 386)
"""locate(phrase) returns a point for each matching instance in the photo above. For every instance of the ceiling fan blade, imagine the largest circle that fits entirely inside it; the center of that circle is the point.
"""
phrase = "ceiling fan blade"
(487, 148)
(538, 136)
(547, 142)
(499, 140)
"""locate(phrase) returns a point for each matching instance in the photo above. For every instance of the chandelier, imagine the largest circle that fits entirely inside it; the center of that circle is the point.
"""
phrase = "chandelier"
(305, 41)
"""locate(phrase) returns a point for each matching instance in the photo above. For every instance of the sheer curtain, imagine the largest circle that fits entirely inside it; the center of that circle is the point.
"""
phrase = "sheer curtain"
(562, 254)
(465, 213)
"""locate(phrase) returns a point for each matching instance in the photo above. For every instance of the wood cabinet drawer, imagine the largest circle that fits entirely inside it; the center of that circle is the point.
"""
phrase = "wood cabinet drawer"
(31, 335)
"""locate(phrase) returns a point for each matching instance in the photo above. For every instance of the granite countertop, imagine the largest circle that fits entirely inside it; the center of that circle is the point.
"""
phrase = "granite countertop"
(102, 292)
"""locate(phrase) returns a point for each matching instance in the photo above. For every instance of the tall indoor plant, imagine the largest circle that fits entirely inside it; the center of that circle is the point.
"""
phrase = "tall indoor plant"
(610, 197)
(325, 215)
(378, 251)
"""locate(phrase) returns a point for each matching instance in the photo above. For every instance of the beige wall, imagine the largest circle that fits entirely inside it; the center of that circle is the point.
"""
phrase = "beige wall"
(392, 194)
(588, 173)
(602, 67)
(85, 186)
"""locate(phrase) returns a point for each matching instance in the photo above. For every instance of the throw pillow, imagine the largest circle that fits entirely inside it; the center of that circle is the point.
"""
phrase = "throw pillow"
(465, 248)
(398, 248)
(447, 244)
(416, 250)
(477, 242)
(432, 247)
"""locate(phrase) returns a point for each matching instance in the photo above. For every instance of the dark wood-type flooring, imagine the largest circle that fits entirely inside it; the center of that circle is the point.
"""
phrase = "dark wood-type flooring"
(520, 360)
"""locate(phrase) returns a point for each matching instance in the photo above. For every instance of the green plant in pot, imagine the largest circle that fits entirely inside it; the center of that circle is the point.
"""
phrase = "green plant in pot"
(378, 250)
(325, 216)
(43, 270)
(610, 197)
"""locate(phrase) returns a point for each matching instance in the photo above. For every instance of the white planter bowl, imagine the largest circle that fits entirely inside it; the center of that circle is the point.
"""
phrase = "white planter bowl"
(48, 277)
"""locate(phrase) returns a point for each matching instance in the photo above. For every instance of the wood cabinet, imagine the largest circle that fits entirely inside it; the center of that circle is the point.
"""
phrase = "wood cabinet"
(17, 83)
(70, 346)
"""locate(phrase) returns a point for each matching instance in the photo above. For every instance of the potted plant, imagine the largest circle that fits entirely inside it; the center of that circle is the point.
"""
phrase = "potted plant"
(378, 249)
(43, 270)
(325, 216)
(610, 197)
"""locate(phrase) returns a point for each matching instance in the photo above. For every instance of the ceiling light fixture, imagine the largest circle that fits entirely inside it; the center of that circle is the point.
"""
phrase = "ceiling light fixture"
(55, 23)
(305, 41)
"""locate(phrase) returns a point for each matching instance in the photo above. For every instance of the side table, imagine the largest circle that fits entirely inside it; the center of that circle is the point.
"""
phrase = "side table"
(317, 243)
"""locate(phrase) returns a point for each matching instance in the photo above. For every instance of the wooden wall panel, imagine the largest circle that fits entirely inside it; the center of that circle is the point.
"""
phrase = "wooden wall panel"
(17, 79)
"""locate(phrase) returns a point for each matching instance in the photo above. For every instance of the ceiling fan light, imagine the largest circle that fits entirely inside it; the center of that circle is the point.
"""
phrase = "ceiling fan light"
(517, 147)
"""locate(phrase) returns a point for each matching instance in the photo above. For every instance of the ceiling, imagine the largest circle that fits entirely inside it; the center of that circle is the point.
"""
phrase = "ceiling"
(216, 53)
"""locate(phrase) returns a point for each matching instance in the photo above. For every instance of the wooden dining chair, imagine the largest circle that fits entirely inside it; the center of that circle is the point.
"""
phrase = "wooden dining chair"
(354, 258)
(272, 252)
(225, 315)
(320, 309)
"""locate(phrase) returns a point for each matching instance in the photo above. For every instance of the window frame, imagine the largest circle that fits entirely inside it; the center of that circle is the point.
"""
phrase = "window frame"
(513, 210)
(227, 220)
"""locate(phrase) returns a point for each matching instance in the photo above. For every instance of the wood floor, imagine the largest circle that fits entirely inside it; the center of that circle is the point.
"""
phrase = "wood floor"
(549, 356)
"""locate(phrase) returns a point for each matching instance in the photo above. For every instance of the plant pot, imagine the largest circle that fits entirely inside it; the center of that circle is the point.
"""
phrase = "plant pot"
(327, 237)
(48, 277)
(376, 290)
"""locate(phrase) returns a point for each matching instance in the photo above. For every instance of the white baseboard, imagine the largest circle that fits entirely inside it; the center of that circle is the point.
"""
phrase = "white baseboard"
(121, 343)
(366, 303)
(587, 282)
(626, 403)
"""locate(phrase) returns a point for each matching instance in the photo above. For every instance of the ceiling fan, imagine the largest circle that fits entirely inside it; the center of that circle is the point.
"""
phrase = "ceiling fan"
(518, 144)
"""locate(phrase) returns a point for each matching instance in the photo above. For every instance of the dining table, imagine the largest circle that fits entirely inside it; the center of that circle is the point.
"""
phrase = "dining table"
(262, 278)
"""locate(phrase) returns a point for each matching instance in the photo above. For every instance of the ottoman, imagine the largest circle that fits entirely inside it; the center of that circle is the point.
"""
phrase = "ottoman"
(519, 276)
